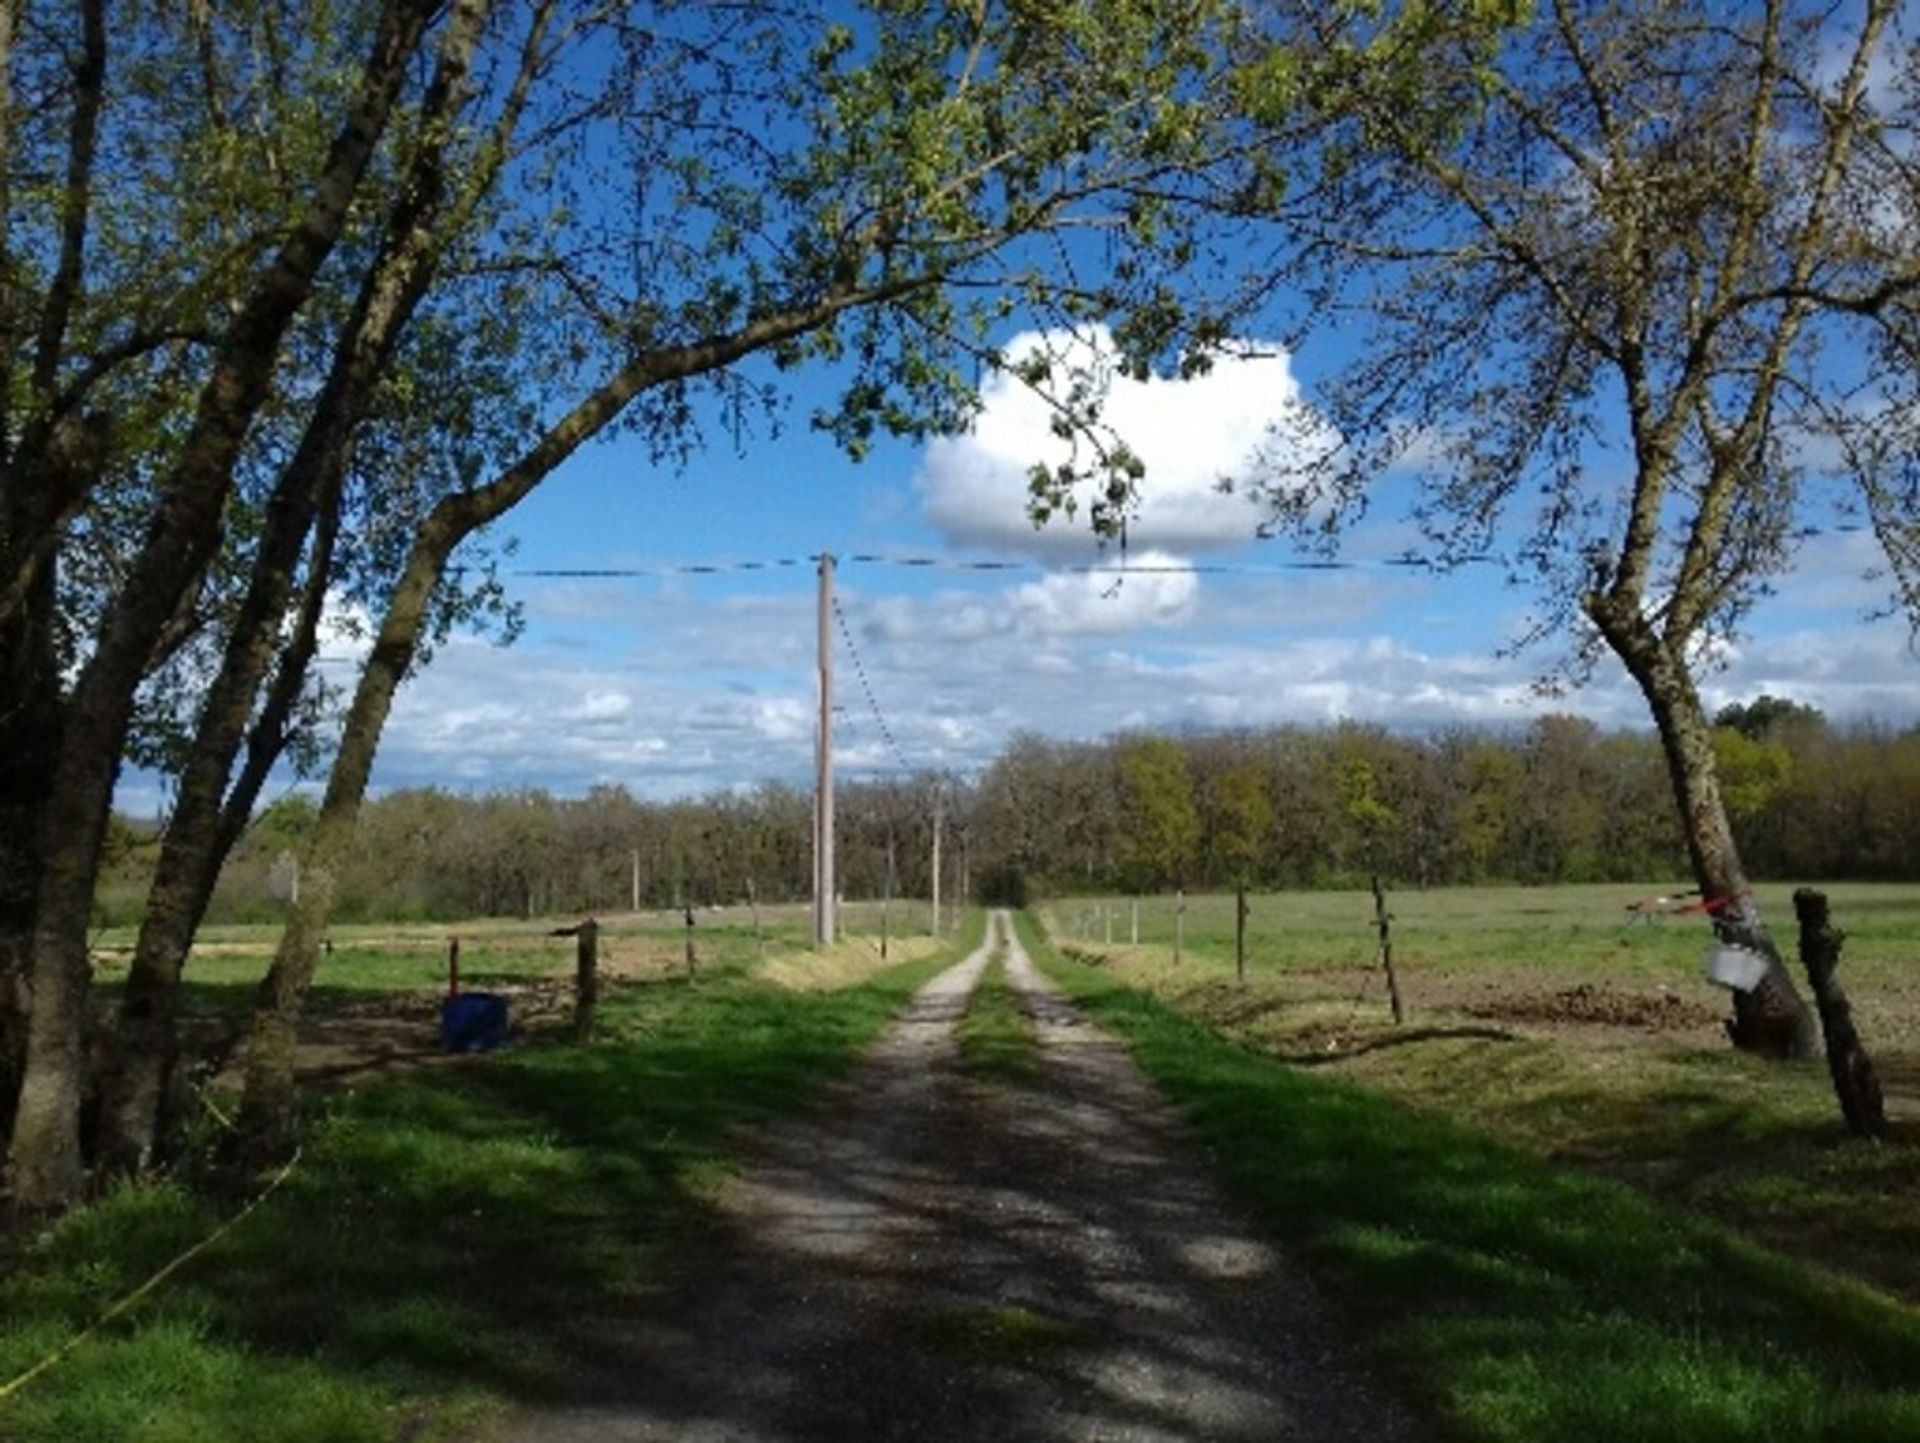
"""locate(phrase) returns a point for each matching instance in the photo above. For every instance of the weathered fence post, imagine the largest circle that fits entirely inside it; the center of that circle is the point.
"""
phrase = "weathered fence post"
(453, 966)
(1383, 919)
(1179, 921)
(1135, 939)
(692, 971)
(1855, 1082)
(1240, 932)
(586, 980)
(759, 936)
(1106, 914)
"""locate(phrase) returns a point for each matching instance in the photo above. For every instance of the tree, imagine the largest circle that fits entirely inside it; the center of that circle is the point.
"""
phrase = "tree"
(1243, 819)
(427, 252)
(1162, 825)
(1657, 261)
(1768, 718)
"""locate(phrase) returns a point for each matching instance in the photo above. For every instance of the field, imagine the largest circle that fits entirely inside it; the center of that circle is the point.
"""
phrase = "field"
(1547, 1018)
(375, 995)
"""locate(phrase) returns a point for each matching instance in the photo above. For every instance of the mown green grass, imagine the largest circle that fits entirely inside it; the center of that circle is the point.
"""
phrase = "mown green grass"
(1517, 1300)
(996, 1036)
(452, 1236)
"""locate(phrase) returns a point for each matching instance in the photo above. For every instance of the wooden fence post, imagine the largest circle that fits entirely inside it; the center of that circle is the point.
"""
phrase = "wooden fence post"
(1179, 921)
(1383, 919)
(1136, 922)
(1855, 1082)
(692, 970)
(1240, 932)
(586, 982)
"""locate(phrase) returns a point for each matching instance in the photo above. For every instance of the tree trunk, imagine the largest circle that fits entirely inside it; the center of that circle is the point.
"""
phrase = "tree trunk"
(1772, 1019)
(185, 531)
(1855, 1083)
(29, 730)
(267, 1106)
(199, 834)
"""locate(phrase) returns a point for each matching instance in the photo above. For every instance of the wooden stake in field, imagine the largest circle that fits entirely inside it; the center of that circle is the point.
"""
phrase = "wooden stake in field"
(1136, 922)
(692, 968)
(759, 936)
(586, 981)
(1179, 921)
(1240, 932)
(1383, 919)
(1855, 1082)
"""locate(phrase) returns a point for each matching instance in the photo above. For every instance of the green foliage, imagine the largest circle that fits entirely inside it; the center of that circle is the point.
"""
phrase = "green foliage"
(1518, 1301)
(1752, 773)
(1162, 825)
(1759, 719)
(1242, 814)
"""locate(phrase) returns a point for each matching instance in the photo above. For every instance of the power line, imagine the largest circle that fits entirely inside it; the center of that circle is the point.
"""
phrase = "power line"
(866, 685)
(1402, 561)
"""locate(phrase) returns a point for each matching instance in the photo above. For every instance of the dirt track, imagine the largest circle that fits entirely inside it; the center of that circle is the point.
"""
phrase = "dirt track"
(932, 1257)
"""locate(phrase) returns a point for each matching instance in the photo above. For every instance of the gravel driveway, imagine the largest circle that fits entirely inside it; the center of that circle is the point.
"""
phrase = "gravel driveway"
(930, 1256)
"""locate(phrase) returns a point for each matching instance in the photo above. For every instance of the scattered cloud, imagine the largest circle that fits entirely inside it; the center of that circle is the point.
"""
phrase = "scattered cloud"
(692, 699)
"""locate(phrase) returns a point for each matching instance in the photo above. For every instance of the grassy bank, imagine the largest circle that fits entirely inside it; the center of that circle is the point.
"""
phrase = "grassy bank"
(452, 1236)
(1519, 1300)
(1549, 1019)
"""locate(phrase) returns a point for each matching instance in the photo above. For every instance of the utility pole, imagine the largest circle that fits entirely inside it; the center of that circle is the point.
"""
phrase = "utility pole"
(823, 918)
(939, 797)
(886, 899)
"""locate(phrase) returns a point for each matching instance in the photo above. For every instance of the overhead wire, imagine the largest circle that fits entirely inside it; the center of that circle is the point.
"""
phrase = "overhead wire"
(1401, 561)
(866, 686)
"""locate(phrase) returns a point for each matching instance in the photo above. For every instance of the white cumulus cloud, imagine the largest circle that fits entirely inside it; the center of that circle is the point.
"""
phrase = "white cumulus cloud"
(1190, 433)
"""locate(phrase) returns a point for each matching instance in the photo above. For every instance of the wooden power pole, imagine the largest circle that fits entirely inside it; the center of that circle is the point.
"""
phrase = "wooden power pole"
(939, 796)
(823, 919)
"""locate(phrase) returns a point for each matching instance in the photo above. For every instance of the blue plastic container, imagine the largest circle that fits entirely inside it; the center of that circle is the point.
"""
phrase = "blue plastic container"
(473, 1022)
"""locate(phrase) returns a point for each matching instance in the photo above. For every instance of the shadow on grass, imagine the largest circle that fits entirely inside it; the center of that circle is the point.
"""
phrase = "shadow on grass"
(450, 1235)
(1527, 1302)
(1386, 1042)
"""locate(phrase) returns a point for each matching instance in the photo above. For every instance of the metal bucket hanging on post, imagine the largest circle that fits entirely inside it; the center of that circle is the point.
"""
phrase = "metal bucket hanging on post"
(1735, 967)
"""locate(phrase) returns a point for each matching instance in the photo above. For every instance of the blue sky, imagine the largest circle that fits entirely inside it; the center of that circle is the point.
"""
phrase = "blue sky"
(675, 684)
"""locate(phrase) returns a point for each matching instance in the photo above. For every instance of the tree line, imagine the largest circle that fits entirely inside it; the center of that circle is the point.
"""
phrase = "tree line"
(1559, 800)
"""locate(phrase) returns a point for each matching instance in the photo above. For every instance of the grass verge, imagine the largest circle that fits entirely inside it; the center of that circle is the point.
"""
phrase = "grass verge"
(996, 1036)
(454, 1236)
(1520, 1301)
(1543, 1017)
